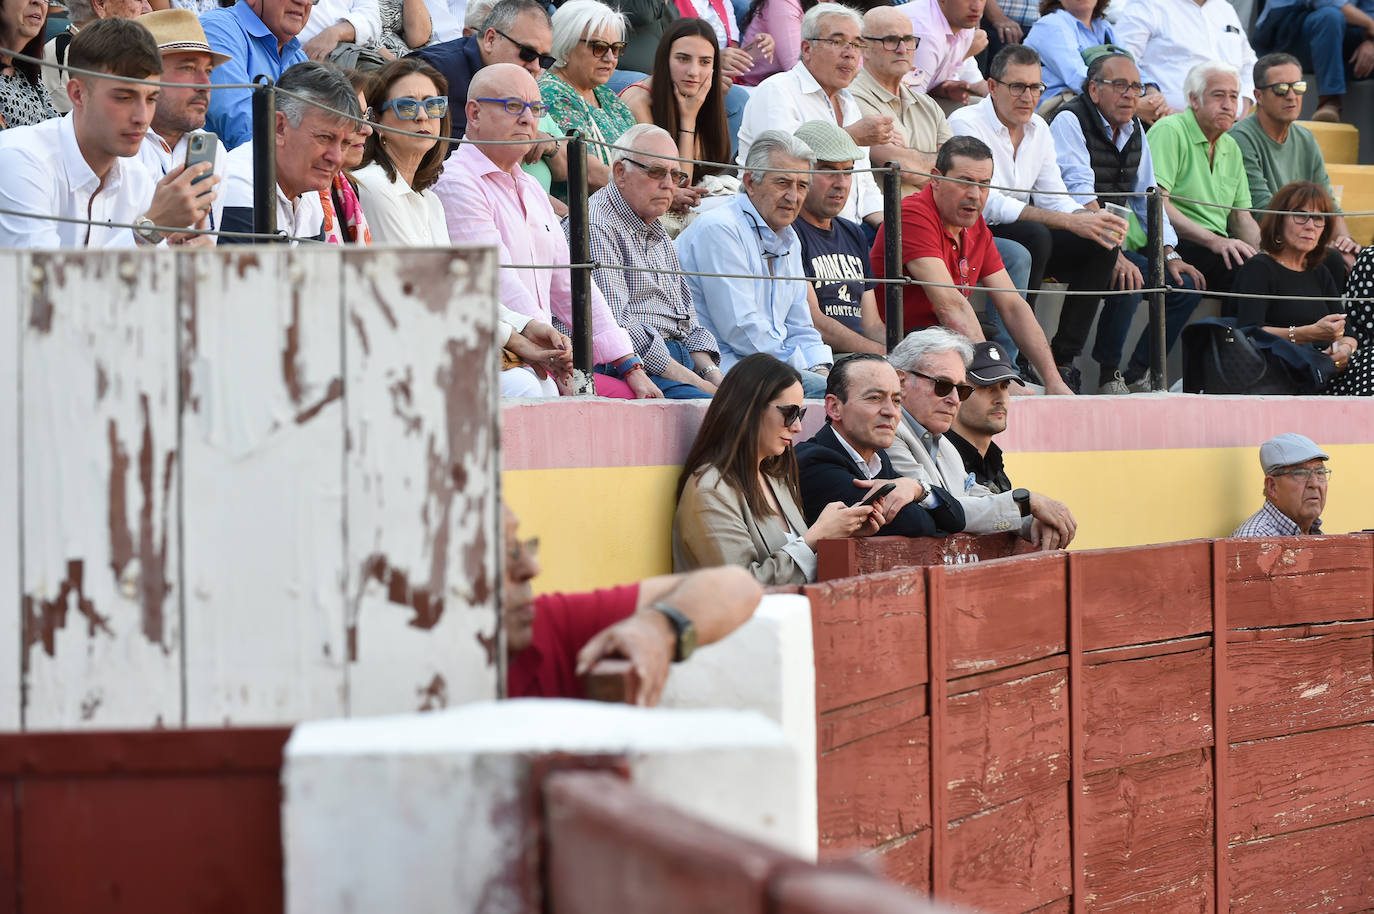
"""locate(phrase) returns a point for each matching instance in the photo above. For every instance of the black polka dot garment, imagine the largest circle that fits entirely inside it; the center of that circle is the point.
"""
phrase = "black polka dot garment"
(1358, 378)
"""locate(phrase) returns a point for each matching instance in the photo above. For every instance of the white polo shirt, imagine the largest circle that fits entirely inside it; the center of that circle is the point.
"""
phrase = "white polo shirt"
(398, 215)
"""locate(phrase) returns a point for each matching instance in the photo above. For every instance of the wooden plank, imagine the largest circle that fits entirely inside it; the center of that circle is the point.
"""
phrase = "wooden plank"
(875, 789)
(10, 896)
(1007, 741)
(1301, 781)
(1078, 724)
(13, 265)
(1015, 857)
(1323, 870)
(875, 554)
(102, 629)
(986, 627)
(1148, 835)
(905, 861)
(1276, 582)
(846, 725)
(1291, 685)
(869, 636)
(937, 667)
(1222, 690)
(425, 526)
(1122, 587)
(263, 487)
(1147, 708)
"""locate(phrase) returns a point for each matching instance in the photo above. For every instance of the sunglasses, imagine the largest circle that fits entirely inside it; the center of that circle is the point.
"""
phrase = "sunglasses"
(599, 47)
(1282, 89)
(658, 172)
(791, 415)
(942, 386)
(407, 108)
(528, 54)
(517, 106)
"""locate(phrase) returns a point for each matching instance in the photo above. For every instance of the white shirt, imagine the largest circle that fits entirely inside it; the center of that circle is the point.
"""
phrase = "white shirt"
(158, 160)
(727, 32)
(46, 174)
(444, 26)
(785, 101)
(1031, 165)
(302, 217)
(870, 467)
(1170, 37)
(397, 214)
(363, 15)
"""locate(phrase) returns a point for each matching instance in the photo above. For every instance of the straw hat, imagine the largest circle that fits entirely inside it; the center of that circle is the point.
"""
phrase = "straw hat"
(177, 31)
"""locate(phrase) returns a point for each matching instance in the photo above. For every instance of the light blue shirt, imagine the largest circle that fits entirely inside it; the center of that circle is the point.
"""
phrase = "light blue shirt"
(238, 32)
(750, 315)
(1060, 40)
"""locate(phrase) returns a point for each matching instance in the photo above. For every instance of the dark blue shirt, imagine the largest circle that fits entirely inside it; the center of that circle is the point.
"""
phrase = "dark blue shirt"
(840, 257)
(456, 61)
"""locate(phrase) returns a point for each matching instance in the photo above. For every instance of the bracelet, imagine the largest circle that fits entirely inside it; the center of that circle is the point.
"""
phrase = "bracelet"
(625, 373)
(1291, 337)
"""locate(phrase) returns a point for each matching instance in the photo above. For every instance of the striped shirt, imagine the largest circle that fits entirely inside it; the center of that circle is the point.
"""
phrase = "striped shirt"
(1270, 521)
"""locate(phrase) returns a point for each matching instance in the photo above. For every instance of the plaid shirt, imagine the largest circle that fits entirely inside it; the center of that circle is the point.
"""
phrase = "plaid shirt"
(1270, 521)
(652, 307)
(1024, 12)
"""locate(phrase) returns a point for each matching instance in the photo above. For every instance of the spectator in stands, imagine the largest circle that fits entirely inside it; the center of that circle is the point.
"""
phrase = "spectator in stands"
(1333, 39)
(1358, 378)
(344, 220)
(1194, 157)
(942, 65)
(475, 16)
(781, 21)
(24, 99)
(843, 306)
(554, 639)
(679, 354)
(1171, 37)
(934, 367)
(259, 38)
(815, 89)
(489, 199)
(398, 169)
(1077, 246)
(983, 415)
(879, 91)
(1066, 29)
(337, 29)
(85, 165)
(846, 460)
(310, 148)
(1102, 150)
(80, 13)
(943, 237)
(1278, 151)
(1295, 477)
(752, 234)
(646, 21)
(1008, 22)
(736, 57)
(738, 496)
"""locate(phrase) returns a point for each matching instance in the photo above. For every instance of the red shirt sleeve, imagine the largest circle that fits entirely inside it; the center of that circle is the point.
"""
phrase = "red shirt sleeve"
(563, 624)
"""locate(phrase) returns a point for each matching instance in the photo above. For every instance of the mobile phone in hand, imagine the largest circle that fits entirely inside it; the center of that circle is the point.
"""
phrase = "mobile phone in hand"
(878, 494)
(201, 147)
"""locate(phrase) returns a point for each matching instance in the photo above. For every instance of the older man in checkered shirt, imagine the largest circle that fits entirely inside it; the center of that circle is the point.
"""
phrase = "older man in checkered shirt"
(1295, 475)
(655, 308)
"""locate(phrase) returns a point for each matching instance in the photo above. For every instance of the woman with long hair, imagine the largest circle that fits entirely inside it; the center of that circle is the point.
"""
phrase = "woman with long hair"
(739, 497)
(24, 99)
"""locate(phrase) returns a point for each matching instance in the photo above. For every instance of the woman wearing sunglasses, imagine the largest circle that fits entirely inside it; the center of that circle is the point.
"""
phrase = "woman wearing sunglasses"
(1292, 248)
(399, 168)
(588, 38)
(738, 495)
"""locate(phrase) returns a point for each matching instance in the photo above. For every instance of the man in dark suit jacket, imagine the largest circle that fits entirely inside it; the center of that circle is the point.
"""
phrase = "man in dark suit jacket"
(845, 459)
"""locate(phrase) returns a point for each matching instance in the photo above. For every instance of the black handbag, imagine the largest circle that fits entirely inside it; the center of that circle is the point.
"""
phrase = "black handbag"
(1221, 358)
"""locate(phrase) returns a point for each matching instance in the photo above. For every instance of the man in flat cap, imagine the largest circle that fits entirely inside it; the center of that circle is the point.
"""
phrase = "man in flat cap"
(1295, 475)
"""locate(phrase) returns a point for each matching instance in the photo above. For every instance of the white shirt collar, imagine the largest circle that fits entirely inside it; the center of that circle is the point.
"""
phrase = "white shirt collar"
(872, 467)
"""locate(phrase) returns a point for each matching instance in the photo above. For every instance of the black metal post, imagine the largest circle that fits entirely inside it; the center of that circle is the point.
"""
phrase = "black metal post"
(579, 245)
(1154, 231)
(892, 252)
(264, 157)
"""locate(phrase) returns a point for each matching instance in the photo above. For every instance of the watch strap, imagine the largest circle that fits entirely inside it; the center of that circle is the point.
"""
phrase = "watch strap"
(685, 631)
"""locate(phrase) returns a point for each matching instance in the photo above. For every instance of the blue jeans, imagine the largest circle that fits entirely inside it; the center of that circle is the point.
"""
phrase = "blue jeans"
(1115, 322)
(1017, 260)
(735, 100)
(679, 390)
(1320, 38)
(813, 385)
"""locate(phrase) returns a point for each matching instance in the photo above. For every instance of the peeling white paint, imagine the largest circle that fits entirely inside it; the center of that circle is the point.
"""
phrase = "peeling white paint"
(12, 267)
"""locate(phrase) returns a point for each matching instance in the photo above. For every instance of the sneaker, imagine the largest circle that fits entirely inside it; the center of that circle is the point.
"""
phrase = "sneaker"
(1143, 385)
(1071, 377)
(1329, 113)
(1115, 386)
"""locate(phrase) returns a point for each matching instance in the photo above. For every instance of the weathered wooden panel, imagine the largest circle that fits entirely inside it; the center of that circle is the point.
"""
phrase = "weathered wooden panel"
(1302, 781)
(102, 628)
(1147, 835)
(1013, 858)
(875, 789)
(1146, 708)
(423, 478)
(11, 630)
(851, 557)
(1288, 685)
(9, 848)
(1278, 582)
(263, 455)
(999, 613)
(905, 861)
(1006, 741)
(1323, 870)
(1122, 596)
(869, 635)
(853, 722)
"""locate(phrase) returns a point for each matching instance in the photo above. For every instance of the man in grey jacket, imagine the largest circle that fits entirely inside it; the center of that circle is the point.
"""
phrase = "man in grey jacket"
(933, 366)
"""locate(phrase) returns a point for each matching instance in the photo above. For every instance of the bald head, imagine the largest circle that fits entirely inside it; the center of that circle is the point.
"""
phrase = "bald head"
(884, 65)
(491, 121)
(500, 80)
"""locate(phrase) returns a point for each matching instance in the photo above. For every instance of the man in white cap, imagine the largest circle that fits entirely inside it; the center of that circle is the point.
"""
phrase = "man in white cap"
(1295, 475)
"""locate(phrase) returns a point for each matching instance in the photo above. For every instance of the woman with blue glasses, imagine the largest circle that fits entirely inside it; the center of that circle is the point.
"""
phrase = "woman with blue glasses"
(405, 155)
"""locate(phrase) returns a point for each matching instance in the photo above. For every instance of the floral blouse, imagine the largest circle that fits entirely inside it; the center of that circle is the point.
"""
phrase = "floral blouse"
(572, 112)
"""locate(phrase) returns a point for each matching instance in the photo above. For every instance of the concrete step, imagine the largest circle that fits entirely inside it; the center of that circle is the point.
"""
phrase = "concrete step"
(1357, 109)
(1354, 188)
(1340, 143)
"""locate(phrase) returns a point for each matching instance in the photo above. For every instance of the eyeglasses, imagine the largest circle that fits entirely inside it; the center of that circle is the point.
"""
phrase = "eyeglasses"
(1304, 218)
(1019, 89)
(1302, 474)
(895, 42)
(791, 415)
(517, 106)
(840, 44)
(599, 47)
(658, 172)
(942, 386)
(527, 53)
(526, 550)
(408, 108)
(1282, 89)
(1122, 87)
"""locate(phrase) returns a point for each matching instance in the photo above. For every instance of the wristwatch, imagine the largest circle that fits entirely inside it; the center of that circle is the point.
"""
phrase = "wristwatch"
(145, 229)
(686, 631)
(1022, 499)
(1172, 255)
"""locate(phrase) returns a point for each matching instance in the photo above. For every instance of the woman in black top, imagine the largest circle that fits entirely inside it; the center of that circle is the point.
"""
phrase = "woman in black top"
(1290, 263)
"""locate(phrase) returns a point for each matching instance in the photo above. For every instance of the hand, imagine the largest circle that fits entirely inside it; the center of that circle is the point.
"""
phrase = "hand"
(647, 640)
(323, 44)
(1362, 61)
(1100, 226)
(560, 209)
(1232, 251)
(980, 44)
(176, 201)
(544, 349)
(907, 492)
(1345, 244)
(1057, 527)
(1009, 30)
(1126, 275)
(956, 90)
(685, 198)
(1152, 106)
(543, 145)
(875, 129)
(644, 388)
(1329, 329)
(838, 521)
(1055, 387)
(734, 61)
(1177, 269)
(763, 44)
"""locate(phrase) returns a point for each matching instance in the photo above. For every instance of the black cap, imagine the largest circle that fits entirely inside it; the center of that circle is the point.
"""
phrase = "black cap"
(991, 365)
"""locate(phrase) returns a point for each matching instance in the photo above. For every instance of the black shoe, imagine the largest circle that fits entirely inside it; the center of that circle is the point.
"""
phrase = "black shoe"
(1072, 377)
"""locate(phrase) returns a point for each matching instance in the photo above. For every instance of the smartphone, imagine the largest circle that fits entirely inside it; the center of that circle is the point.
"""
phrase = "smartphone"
(201, 147)
(878, 494)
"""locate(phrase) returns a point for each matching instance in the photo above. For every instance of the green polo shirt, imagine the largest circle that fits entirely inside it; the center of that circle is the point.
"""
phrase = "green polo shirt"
(1179, 151)
(1271, 165)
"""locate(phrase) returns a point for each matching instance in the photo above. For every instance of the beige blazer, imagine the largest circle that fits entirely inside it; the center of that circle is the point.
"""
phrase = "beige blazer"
(714, 526)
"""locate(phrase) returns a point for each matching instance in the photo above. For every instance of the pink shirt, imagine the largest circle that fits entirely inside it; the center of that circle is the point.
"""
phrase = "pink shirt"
(781, 19)
(942, 55)
(485, 205)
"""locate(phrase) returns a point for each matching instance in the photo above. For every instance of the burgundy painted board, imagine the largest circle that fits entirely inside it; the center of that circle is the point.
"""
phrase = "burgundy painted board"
(1146, 708)
(905, 861)
(996, 614)
(869, 555)
(853, 722)
(104, 753)
(869, 636)
(1321, 871)
(1301, 781)
(1015, 857)
(1121, 593)
(876, 788)
(1147, 835)
(818, 891)
(1276, 582)
(611, 680)
(1289, 685)
(1059, 906)
(9, 861)
(1006, 741)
